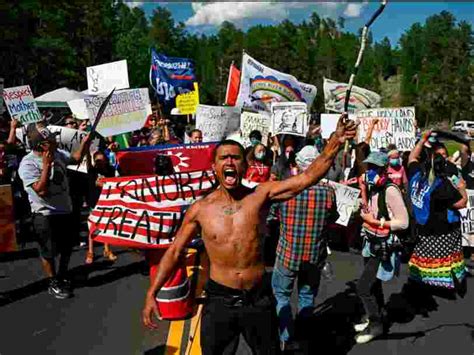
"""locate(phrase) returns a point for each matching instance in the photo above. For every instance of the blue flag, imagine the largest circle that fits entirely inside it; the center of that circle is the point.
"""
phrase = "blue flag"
(171, 76)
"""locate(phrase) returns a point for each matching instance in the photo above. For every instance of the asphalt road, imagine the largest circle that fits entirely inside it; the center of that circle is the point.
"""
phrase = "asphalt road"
(104, 315)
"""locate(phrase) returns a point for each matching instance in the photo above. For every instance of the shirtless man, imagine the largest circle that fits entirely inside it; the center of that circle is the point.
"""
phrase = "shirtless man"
(238, 301)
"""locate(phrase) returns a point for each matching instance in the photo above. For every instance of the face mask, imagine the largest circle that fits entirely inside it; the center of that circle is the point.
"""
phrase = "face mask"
(394, 162)
(287, 154)
(432, 139)
(254, 141)
(259, 155)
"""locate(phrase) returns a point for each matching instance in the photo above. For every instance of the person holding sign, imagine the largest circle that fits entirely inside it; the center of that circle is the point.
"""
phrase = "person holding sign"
(44, 176)
(238, 299)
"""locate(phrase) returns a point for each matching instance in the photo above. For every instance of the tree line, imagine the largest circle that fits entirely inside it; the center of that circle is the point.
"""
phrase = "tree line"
(49, 45)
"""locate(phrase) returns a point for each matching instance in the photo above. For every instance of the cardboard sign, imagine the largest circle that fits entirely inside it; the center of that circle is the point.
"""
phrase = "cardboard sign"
(105, 77)
(187, 103)
(7, 220)
(250, 121)
(216, 122)
(21, 104)
(346, 199)
(146, 212)
(289, 118)
(396, 126)
(127, 111)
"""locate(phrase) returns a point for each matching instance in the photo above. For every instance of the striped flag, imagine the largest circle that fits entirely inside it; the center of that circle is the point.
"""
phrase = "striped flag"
(233, 85)
(146, 212)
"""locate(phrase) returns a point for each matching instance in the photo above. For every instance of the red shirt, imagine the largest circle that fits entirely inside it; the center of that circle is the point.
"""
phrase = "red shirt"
(258, 172)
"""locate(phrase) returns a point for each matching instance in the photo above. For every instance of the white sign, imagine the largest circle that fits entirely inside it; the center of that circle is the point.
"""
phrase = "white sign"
(289, 118)
(126, 111)
(250, 121)
(329, 123)
(68, 140)
(79, 109)
(395, 126)
(260, 86)
(216, 122)
(346, 199)
(105, 77)
(360, 98)
(467, 220)
(21, 104)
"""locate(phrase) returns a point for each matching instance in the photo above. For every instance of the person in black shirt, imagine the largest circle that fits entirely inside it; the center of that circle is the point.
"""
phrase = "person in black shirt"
(437, 260)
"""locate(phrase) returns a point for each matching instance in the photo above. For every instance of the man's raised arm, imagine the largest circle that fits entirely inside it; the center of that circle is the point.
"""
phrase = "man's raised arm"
(169, 262)
(286, 189)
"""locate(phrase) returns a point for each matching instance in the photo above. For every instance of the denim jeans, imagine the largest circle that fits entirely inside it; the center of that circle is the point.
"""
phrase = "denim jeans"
(283, 280)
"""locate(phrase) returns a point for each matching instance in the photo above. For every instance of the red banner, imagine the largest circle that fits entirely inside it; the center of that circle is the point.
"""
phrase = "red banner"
(185, 158)
(146, 212)
(7, 221)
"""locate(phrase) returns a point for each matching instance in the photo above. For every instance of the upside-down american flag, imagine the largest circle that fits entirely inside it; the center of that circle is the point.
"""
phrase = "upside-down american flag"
(146, 211)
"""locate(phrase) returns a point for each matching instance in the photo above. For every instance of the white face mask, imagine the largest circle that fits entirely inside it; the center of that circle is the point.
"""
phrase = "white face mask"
(259, 155)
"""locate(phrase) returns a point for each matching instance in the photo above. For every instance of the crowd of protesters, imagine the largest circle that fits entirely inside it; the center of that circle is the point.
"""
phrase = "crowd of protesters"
(405, 196)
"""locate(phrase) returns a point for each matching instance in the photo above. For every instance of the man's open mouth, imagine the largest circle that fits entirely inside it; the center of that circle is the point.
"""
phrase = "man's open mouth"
(230, 176)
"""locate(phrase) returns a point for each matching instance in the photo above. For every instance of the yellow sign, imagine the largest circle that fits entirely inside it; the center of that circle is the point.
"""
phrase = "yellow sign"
(187, 103)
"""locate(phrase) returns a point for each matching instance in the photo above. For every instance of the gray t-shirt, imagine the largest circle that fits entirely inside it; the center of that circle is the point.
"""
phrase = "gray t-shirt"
(58, 199)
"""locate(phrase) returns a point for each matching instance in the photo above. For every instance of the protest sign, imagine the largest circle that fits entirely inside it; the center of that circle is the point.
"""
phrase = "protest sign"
(346, 199)
(395, 126)
(68, 139)
(187, 103)
(105, 77)
(467, 217)
(289, 118)
(360, 98)
(171, 76)
(329, 123)
(7, 221)
(250, 121)
(185, 158)
(21, 104)
(216, 122)
(261, 85)
(127, 111)
(79, 109)
(145, 212)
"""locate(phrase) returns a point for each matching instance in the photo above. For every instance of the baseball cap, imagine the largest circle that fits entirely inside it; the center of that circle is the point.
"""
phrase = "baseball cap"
(377, 158)
(306, 156)
(38, 133)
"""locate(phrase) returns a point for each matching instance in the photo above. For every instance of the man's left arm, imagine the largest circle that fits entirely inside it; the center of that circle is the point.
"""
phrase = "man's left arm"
(287, 189)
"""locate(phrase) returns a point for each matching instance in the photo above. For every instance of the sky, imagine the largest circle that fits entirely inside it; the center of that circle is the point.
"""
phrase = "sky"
(206, 17)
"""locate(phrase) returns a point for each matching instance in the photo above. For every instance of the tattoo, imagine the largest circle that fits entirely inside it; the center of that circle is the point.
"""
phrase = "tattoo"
(230, 210)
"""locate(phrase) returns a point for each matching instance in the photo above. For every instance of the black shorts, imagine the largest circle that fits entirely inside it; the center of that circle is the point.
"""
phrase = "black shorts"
(230, 312)
(53, 234)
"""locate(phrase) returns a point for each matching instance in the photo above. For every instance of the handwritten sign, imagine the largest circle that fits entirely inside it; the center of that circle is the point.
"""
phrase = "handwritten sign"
(289, 118)
(346, 199)
(105, 77)
(21, 104)
(467, 217)
(145, 212)
(250, 121)
(7, 221)
(216, 122)
(127, 111)
(187, 103)
(396, 126)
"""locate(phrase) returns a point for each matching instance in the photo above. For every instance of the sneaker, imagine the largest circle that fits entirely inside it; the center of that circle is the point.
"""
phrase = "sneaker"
(360, 327)
(371, 332)
(57, 290)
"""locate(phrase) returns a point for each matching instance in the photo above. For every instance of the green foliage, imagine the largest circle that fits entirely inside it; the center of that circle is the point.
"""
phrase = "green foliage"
(48, 45)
